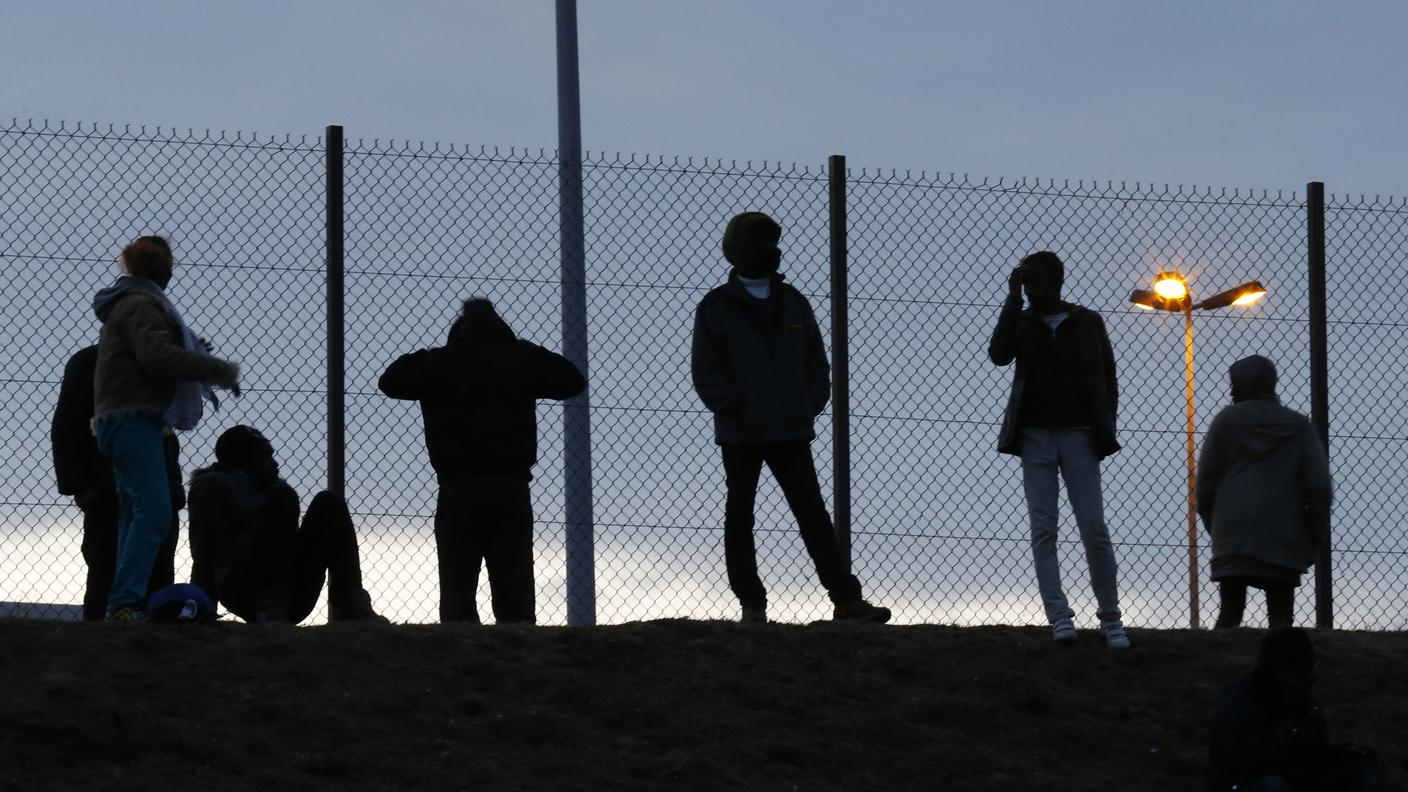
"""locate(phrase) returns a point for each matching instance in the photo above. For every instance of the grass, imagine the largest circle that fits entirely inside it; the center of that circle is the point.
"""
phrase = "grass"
(673, 705)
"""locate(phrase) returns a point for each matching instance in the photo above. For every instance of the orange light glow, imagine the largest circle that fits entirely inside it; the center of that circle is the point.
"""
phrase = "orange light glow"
(1250, 297)
(1171, 286)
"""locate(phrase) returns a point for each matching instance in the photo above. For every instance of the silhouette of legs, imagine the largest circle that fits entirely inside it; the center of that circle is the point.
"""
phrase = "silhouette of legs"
(1080, 468)
(485, 520)
(1040, 467)
(1280, 602)
(135, 448)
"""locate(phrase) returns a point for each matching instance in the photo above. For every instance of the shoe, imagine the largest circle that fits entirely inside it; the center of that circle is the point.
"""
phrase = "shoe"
(356, 606)
(860, 610)
(754, 614)
(1115, 636)
(1063, 631)
(126, 615)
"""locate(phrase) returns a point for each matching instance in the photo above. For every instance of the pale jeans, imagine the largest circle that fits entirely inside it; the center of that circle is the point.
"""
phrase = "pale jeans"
(1045, 452)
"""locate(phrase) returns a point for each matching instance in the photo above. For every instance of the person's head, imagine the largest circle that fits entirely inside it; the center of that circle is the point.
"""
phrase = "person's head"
(149, 257)
(245, 449)
(1252, 376)
(1043, 277)
(1285, 668)
(750, 244)
(477, 321)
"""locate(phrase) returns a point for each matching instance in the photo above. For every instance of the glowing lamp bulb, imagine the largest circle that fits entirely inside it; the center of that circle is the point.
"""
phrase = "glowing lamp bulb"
(1170, 286)
(1250, 297)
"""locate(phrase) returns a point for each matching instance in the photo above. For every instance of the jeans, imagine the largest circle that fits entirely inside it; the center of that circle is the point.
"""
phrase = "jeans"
(100, 554)
(1045, 452)
(791, 464)
(488, 520)
(135, 448)
(1280, 599)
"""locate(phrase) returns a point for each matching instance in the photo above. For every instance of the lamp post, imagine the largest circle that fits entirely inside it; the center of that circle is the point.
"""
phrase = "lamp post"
(1170, 293)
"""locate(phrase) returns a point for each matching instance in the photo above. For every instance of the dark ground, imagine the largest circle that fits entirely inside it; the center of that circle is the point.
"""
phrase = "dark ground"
(662, 705)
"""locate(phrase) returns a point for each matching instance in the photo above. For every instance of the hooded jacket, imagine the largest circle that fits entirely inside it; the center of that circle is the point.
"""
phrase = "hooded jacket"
(478, 395)
(1263, 479)
(1021, 335)
(759, 365)
(142, 353)
(225, 505)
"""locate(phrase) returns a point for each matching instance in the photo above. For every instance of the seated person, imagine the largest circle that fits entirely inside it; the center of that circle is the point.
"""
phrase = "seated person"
(249, 551)
(1268, 734)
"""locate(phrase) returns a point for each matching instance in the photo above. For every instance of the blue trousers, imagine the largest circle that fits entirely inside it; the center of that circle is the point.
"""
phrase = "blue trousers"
(134, 448)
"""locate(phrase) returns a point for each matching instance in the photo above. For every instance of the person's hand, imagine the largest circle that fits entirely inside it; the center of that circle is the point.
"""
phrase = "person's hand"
(86, 499)
(1014, 282)
(205, 342)
(229, 379)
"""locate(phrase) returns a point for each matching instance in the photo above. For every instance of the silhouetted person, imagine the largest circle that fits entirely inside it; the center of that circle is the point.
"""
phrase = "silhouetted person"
(759, 366)
(86, 475)
(478, 397)
(152, 373)
(1060, 419)
(1268, 734)
(249, 551)
(1263, 490)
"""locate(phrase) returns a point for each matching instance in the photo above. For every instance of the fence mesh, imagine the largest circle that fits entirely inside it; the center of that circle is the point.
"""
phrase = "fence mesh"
(939, 522)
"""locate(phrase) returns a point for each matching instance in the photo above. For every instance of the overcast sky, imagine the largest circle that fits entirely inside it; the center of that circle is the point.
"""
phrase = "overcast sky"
(1268, 94)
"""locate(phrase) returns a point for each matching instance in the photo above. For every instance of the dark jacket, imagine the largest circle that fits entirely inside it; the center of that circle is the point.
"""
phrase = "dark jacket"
(478, 397)
(1251, 739)
(226, 508)
(1020, 335)
(78, 464)
(1263, 483)
(759, 365)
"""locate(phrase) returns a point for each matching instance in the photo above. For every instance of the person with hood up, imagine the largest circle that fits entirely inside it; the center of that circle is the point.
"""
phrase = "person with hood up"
(1263, 491)
(85, 475)
(152, 373)
(478, 399)
(250, 553)
(759, 365)
(1060, 420)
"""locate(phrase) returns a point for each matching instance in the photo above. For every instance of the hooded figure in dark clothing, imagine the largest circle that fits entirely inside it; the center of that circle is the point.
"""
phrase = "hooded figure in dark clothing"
(478, 397)
(84, 474)
(1263, 490)
(1269, 735)
(249, 551)
(759, 366)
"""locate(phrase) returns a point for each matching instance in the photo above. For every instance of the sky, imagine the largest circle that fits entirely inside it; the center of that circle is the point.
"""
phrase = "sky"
(1264, 95)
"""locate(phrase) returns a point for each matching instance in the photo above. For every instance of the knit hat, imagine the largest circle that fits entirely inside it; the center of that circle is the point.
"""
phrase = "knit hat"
(1252, 376)
(240, 444)
(751, 237)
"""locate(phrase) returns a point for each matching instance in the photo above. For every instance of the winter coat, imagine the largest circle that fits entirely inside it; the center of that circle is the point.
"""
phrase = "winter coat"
(1251, 739)
(1022, 334)
(759, 365)
(226, 507)
(142, 354)
(1263, 484)
(78, 464)
(478, 397)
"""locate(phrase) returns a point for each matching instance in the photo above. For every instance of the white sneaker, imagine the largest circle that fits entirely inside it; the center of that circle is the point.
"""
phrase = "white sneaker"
(1115, 636)
(1063, 631)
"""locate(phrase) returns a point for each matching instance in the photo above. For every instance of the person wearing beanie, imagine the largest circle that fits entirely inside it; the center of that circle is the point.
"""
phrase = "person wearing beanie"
(478, 397)
(1263, 492)
(759, 366)
(1269, 735)
(250, 553)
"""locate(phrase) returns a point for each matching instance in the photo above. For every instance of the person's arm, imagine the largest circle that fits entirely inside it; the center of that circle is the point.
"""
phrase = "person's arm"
(544, 374)
(708, 366)
(148, 330)
(1112, 385)
(206, 510)
(172, 447)
(70, 433)
(1007, 336)
(816, 368)
(1212, 463)
(1316, 488)
(408, 376)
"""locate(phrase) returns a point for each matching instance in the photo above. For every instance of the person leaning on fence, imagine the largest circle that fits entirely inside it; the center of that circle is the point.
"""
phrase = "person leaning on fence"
(152, 373)
(1060, 419)
(1263, 491)
(478, 398)
(1269, 735)
(758, 364)
(250, 553)
(84, 474)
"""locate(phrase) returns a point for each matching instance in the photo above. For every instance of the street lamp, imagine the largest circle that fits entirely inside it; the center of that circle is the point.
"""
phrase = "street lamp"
(1170, 293)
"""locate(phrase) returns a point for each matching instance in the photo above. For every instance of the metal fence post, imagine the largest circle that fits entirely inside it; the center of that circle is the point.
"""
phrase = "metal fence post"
(1319, 379)
(840, 356)
(577, 430)
(337, 381)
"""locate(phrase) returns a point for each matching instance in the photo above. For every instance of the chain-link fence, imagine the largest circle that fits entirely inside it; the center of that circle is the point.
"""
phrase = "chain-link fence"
(939, 523)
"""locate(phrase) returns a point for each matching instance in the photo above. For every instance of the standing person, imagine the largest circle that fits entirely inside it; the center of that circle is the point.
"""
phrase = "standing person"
(152, 373)
(758, 364)
(478, 397)
(1060, 419)
(1263, 491)
(84, 474)
(250, 553)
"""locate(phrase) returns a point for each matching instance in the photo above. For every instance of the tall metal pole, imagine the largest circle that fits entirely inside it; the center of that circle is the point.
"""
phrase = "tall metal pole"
(1319, 380)
(577, 430)
(337, 380)
(840, 356)
(1193, 620)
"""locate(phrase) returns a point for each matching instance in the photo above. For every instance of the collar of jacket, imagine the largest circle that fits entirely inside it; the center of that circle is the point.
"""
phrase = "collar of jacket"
(1073, 311)
(736, 288)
